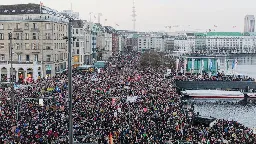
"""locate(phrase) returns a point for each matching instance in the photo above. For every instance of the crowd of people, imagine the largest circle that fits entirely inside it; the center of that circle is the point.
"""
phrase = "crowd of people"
(208, 77)
(118, 104)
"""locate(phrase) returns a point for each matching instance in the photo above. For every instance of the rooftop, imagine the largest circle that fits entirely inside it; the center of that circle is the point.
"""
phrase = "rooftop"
(77, 23)
(224, 34)
(20, 9)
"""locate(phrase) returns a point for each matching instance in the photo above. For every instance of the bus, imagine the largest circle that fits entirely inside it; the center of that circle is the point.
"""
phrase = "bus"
(86, 68)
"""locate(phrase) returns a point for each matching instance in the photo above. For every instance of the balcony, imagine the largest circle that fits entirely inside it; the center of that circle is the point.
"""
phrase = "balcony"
(3, 62)
(23, 62)
(18, 30)
(35, 50)
(34, 29)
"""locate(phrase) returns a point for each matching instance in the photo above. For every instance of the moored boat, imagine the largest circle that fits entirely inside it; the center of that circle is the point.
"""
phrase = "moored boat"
(212, 94)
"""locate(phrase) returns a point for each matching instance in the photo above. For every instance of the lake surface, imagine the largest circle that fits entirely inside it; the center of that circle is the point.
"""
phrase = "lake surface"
(243, 114)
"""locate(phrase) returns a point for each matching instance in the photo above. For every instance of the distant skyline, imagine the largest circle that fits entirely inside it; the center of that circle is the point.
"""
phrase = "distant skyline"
(154, 15)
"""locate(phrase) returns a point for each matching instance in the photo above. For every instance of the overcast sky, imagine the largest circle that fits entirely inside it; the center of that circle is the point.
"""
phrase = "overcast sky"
(154, 15)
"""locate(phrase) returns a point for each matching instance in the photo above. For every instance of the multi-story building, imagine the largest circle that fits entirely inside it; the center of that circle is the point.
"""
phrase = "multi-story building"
(88, 43)
(200, 42)
(169, 44)
(144, 42)
(121, 43)
(38, 45)
(181, 44)
(78, 47)
(157, 42)
(132, 42)
(249, 23)
(224, 42)
(108, 48)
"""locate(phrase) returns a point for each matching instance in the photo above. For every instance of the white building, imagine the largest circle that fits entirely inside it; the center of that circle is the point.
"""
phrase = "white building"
(182, 44)
(150, 41)
(157, 42)
(144, 42)
(249, 23)
(107, 49)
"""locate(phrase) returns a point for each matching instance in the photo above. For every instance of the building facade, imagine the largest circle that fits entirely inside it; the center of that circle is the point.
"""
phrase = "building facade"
(249, 23)
(78, 46)
(39, 49)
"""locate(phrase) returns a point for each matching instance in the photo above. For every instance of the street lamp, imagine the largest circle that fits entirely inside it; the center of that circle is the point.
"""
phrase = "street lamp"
(69, 38)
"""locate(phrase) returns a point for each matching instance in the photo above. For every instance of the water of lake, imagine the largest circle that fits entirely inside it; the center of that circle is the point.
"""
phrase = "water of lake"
(243, 114)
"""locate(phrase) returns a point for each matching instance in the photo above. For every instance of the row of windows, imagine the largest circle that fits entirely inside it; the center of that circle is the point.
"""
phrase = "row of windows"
(26, 26)
(32, 46)
(34, 57)
(20, 56)
(35, 36)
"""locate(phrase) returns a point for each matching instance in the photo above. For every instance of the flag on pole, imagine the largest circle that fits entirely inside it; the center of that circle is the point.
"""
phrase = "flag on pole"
(202, 65)
(41, 5)
(234, 64)
(210, 64)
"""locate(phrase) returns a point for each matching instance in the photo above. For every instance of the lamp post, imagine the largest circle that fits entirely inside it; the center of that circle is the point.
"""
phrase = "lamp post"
(69, 39)
(11, 75)
(70, 82)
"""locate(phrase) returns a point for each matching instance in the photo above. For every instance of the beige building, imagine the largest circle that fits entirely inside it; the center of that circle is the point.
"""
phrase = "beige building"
(38, 45)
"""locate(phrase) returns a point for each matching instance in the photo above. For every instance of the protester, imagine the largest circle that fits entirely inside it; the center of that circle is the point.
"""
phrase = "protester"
(122, 103)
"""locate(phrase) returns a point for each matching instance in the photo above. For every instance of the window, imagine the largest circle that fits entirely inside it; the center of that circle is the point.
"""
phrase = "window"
(34, 25)
(36, 57)
(77, 44)
(47, 26)
(26, 36)
(26, 26)
(1, 36)
(48, 58)
(77, 51)
(17, 46)
(17, 25)
(48, 47)
(19, 57)
(33, 46)
(26, 46)
(1, 26)
(2, 57)
(47, 36)
(34, 36)
(17, 36)
(76, 31)
(1, 45)
(9, 26)
(27, 57)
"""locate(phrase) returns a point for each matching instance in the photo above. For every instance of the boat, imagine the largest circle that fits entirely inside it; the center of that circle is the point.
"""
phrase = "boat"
(212, 94)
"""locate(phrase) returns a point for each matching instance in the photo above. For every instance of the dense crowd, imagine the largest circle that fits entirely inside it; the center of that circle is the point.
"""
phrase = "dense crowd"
(118, 104)
(208, 77)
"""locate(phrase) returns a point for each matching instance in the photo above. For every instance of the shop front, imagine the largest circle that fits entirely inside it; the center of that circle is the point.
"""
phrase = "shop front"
(3, 74)
(48, 69)
(29, 74)
(21, 75)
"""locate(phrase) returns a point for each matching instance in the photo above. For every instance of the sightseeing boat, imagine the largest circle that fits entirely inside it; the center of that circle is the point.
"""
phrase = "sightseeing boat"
(212, 94)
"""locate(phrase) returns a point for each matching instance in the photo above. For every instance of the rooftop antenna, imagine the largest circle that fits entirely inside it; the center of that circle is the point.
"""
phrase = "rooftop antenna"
(134, 15)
